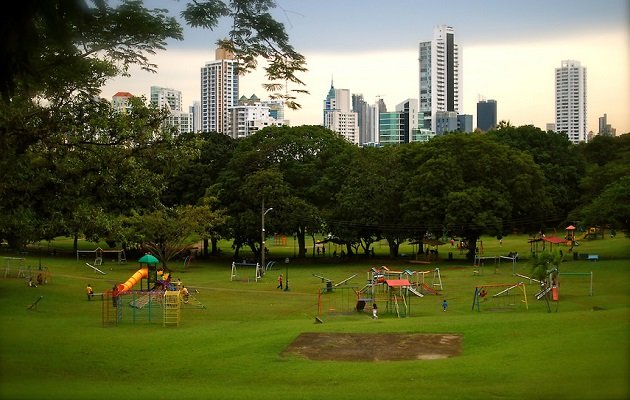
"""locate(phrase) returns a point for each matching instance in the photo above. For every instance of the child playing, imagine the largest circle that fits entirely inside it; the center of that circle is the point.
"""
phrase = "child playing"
(279, 282)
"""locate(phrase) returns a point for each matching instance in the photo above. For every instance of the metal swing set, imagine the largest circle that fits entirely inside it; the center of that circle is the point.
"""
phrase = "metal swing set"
(511, 291)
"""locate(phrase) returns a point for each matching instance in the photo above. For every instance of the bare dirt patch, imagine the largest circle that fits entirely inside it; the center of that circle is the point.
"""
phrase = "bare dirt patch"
(374, 347)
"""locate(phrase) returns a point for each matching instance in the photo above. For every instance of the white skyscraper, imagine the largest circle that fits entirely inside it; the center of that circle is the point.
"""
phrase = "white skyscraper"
(440, 75)
(571, 100)
(219, 92)
(338, 115)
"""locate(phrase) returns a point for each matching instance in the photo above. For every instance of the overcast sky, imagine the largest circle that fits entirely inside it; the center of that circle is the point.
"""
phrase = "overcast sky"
(510, 52)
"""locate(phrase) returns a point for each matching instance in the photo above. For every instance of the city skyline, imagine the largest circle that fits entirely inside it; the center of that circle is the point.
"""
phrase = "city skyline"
(510, 52)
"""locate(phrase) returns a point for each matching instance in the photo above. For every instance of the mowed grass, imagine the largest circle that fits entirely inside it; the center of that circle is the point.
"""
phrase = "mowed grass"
(233, 349)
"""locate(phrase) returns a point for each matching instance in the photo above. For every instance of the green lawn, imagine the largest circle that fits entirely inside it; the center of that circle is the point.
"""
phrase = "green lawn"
(232, 348)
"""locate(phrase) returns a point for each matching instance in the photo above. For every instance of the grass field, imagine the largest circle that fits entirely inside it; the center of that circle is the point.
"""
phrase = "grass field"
(232, 349)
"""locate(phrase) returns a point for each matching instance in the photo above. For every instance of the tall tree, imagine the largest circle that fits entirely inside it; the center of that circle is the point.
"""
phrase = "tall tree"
(65, 155)
(368, 207)
(55, 48)
(471, 185)
(560, 161)
(206, 156)
(604, 186)
(295, 170)
(167, 232)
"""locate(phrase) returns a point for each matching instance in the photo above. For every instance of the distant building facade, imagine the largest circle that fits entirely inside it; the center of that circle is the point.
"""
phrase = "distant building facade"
(338, 115)
(120, 101)
(605, 129)
(402, 125)
(465, 123)
(195, 111)
(171, 100)
(252, 114)
(367, 120)
(446, 122)
(571, 104)
(486, 115)
(219, 92)
(440, 76)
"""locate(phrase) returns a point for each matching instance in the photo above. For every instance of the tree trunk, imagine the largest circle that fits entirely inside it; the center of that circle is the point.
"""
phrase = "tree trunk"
(349, 251)
(215, 246)
(301, 243)
(393, 248)
(75, 243)
(472, 246)
(205, 247)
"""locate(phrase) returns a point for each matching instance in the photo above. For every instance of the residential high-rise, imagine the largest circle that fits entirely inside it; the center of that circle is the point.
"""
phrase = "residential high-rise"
(440, 75)
(252, 114)
(171, 100)
(338, 116)
(571, 100)
(219, 91)
(486, 115)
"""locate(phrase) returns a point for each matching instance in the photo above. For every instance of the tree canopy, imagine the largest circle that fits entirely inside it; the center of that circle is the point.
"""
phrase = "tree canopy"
(72, 165)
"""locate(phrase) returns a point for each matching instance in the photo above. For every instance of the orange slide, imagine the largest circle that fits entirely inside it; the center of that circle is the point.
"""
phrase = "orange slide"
(135, 278)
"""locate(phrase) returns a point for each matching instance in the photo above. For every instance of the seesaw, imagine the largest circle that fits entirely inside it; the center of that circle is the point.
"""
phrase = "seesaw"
(345, 280)
(95, 269)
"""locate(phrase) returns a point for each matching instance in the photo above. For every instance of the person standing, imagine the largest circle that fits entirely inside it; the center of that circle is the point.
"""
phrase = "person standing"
(279, 282)
(444, 305)
(115, 296)
(89, 291)
(374, 311)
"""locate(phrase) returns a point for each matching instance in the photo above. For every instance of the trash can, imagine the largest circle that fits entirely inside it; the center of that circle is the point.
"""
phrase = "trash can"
(575, 255)
(329, 287)
(450, 256)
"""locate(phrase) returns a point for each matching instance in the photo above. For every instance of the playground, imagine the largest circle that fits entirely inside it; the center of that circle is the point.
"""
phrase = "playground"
(253, 340)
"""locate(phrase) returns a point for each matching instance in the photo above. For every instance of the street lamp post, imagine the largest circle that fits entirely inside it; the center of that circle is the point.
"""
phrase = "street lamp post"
(263, 212)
